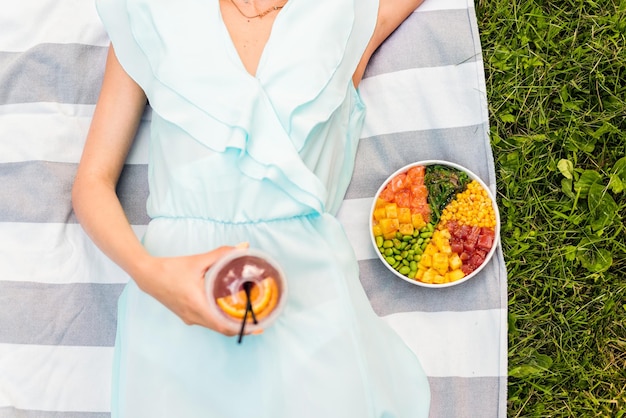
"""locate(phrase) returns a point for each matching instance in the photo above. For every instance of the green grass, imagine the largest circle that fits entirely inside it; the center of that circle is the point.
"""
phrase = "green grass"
(556, 85)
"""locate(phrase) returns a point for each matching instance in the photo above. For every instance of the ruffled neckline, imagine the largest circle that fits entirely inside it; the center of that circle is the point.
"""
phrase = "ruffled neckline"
(267, 117)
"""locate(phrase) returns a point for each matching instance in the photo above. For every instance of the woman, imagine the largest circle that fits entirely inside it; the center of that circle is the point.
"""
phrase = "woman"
(254, 130)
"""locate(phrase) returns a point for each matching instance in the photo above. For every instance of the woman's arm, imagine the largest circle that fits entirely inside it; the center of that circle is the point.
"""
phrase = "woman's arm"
(175, 282)
(391, 13)
(110, 137)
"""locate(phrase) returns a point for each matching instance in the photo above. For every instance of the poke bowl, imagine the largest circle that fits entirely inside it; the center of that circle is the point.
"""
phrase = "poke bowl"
(434, 223)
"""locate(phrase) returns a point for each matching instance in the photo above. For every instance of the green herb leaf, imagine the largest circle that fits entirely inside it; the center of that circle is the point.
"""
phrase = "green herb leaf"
(566, 187)
(593, 258)
(587, 178)
(524, 370)
(507, 118)
(582, 143)
(617, 179)
(566, 168)
(602, 206)
(616, 184)
(570, 252)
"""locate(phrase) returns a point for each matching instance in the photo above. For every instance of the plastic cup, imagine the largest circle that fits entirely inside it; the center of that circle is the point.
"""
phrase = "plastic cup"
(225, 282)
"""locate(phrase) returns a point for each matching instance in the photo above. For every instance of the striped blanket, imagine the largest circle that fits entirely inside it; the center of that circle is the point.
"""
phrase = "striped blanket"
(425, 93)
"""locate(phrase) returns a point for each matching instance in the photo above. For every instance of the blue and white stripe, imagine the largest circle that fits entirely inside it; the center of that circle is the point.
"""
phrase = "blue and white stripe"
(425, 93)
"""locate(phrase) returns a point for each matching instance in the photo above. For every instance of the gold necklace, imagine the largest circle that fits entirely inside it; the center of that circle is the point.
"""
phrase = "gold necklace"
(260, 15)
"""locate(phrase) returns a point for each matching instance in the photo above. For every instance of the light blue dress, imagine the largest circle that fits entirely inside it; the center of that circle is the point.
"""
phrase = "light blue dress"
(263, 159)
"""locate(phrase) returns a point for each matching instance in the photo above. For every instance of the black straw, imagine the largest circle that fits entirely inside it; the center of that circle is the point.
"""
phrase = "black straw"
(246, 287)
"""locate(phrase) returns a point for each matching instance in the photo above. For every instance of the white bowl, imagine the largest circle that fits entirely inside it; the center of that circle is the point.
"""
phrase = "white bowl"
(473, 177)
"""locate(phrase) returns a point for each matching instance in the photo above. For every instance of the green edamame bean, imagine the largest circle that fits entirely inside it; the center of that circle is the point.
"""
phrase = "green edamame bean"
(403, 252)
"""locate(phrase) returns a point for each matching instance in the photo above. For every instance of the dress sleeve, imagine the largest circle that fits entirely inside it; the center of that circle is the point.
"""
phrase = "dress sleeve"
(116, 20)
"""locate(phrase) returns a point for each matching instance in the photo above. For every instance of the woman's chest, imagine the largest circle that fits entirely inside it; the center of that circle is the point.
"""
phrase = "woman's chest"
(249, 29)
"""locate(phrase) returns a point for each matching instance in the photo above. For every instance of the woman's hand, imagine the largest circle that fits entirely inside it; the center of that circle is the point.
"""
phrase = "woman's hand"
(178, 283)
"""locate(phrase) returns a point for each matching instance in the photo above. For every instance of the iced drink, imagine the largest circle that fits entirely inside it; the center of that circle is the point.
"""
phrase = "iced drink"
(246, 283)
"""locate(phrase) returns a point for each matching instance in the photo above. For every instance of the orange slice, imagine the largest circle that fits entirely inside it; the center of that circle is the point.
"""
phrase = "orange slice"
(271, 304)
(260, 295)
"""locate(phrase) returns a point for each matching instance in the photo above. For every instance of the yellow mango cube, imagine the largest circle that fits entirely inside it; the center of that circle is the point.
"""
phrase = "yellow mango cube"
(431, 249)
(380, 213)
(380, 203)
(406, 229)
(454, 275)
(418, 221)
(426, 260)
(392, 210)
(454, 261)
(439, 279)
(429, 276)
(443, 245)
(440, 263)
(377, 230)
(389, 225)
(404, 216)
(438, 242)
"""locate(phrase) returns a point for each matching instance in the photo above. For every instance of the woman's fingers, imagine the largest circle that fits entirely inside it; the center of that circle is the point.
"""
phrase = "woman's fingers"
(179, 284)
(198, 308)
(206, 317)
